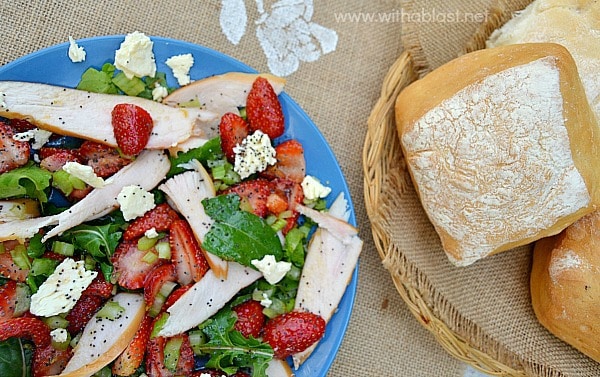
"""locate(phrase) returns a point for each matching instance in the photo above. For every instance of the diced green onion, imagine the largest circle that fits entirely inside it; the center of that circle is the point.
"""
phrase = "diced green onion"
(197, 339)
(146, 243)
(20, 258)
(131, 87)
(150, 257)
(43, 266)
(111, 310)
(172, 352)
(159, 323)
(56, 322)
(63, 248)
(164, 250)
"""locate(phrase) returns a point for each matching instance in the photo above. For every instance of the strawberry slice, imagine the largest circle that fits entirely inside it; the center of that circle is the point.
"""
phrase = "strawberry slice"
(82, 312)
(133, 356)
(105, 160)
(99, 287)
(161, 277)
(132, 126)
(294, 194)
(8, 268)
(186, 255)
(233, 129)
(293, 332)
(160, 218)
(129, 265)
(175, 295)
(26, 327)
(290, 164)
(49, 361)
(54, 158)
(8, 298)
(263, 109)
(46, 152)
(14, 153)
(250, 318)
(21, 125)
(253, 195)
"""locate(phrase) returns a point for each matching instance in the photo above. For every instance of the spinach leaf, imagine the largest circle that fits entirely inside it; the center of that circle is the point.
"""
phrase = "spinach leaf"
(15, 358)
(211, 150)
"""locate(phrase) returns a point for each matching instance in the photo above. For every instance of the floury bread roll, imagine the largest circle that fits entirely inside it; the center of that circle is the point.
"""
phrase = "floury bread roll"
(502, 148)
(565, 289)
(575, 24)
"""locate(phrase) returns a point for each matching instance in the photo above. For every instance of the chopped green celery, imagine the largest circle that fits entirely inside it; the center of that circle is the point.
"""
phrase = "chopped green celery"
(172, 352)
(146, 243)
(197, 339)
(23, 295)
(131, 87)
(43, 266)
(20, 258)
(164, 250)
(218, 172)
(62, 346)
(279, 224)
(294, 246)
(63, 248)
(56, 322)
(150, 257)
(167, 288)
(159, 323)
(161, 297)
(111, 310)
(66, 182)
(93, 80)
(276, 308)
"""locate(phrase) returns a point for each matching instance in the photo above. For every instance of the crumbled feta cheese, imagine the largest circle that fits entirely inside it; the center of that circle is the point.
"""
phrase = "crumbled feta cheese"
(76, 53)
(135, 201)
(159, 92)
(135, 56)
(59, 335)
(313, 189)
(151, 233)
(266, 301)
(40, 137)
(272, 270)
(254, 154)
(59, 293)
(181, 64)
(84, 172)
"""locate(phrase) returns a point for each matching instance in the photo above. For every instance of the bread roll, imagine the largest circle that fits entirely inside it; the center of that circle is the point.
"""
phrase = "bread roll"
(565, 284)
(502, 148)
(574, 24)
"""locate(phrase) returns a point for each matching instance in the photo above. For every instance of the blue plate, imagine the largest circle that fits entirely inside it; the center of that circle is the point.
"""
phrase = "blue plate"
(52, 66)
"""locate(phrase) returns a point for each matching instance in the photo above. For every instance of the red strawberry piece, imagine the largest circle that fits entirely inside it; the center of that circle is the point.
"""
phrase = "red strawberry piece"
(155, 281)
(82, 312)
(175, 295)
(129, 267)
(233, 129)
(58, 158)
(132, 126)
(293, 332)
(45, 152)
(99, 287)
(105, 160)
(155, 358)
(8, 268)
(250, 318)
(290, 164)
(160, 218)
(49, 361)
(186, 255)
(8, 298)
(263, 109)
(26, 327)
(253, 195)
(133, 356)
(13, 153)
(294, 194)
(21, 125)
(277, 203)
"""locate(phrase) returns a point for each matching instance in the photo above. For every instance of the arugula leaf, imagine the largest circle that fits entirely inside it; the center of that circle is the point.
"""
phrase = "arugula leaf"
(211, 150)
(28, 180)
(229, 350)
(15, 358)
(238, 235)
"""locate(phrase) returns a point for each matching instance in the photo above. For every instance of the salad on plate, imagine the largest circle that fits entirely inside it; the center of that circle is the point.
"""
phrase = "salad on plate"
(147, 230)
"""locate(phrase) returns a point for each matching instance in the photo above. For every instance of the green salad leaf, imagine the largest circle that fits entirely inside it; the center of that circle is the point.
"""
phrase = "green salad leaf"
(29, 180)
(15, 358)
(238, 235)
(98, 81)
(210, 151)
(229, 350)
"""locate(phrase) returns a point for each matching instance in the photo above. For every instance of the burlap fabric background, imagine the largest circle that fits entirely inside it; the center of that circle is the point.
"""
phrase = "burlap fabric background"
(486, 305)
(337, 91)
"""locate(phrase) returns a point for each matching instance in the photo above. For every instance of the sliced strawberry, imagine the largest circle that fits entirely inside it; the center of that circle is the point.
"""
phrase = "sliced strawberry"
(290, 164)
(263, 109)
(21, 125)
(8, 298)
(13, 153)
(132, 126)
(233, 129)
(130, 267)
(250, 318)
(45, 152)
(159, 218)
(8, 268)
(175, 295)
(253, 195)
(83, 311)
(105, 160)
(294, 194)
(293, 332)
(99, 287)
(277, 203)
(133, 356)
(186, 255)
(26, 327)
(160, 277)
(58, 158)
(155, 359)
(49, 361)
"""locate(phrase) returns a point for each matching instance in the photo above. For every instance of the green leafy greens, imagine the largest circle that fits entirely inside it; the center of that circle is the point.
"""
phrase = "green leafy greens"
(15, 358)
(27, 181)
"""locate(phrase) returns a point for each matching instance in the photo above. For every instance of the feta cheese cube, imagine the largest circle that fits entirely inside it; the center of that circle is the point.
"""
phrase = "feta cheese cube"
(135, 56)
(84, 172)
(313, 189)
(76, 53)
(181, 65)
(272, 270)
(254, 154)
(135, 201)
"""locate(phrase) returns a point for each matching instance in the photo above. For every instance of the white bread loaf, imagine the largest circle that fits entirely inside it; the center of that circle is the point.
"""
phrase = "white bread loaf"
(574, 24)
(565, 289)
(502, 148)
